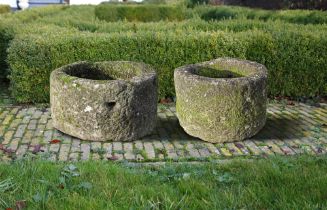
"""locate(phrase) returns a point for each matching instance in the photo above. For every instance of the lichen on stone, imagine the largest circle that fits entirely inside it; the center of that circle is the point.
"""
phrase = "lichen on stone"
(112, 100)
(217, 108)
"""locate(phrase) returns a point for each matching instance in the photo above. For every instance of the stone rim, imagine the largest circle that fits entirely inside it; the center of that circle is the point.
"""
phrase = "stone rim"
(188, 71)
(145, 75)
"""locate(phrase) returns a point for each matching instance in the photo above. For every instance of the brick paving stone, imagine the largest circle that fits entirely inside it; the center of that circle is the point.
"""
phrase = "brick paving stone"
(3, 115)
(117, 150)
(180, 147)
(7, 137)
(74, 156)
(241, 146)
(39, 130)
(49, 124)
(47, 135)
(20, 131)
(149, 149)
(233, 149)
(26, 119)
(159, 149)
(225, 152)
(54, 150)
(43, 119)
(273, 147)
(108, 149)
(211, 147)
(66, 139)
(21, 151)
(254, 149)
(76, 145)
(14, 124)
(192, 151)
(14, 144)
(36, 140)
(85, 151)
(289, 130)
(27, 138)
(14, 111)
(21, 113)
(37, 114)
(203, 150)
(2, 130)
(139, 147)
(129, 151)
(64, 152)
(170, 149)
(7, 120)
(32, 125)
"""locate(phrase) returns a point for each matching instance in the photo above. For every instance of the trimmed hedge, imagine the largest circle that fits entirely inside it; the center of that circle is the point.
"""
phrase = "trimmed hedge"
(290, 16)
(15, 23)
(277, 4)
(296, 59)
(4, 8)
(43, 39)
(139, 12)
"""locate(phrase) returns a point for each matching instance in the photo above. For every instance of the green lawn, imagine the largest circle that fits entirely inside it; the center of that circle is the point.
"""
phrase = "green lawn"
(273, 183)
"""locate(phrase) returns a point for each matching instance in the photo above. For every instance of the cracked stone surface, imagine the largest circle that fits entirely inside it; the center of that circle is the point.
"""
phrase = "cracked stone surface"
(222, 100)
(114, 100)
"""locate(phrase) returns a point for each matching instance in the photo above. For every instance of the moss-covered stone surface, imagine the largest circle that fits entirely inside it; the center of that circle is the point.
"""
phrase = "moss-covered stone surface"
(104, 101)
(221, 108)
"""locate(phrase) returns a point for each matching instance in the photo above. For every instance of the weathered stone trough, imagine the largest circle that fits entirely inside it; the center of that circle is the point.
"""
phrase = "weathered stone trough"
(222, 100)
(102, 101)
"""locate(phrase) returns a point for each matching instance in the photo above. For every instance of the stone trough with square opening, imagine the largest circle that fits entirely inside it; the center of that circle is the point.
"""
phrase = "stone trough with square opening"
(223, 100)
(113, 100)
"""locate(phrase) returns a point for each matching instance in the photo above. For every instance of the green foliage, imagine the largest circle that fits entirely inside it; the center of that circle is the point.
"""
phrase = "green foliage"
(40, 40)
(289, 55)
(139, 12)
(15, 23)
(4, 8)
(193, 3)
(290, 16)
(272, 183)
(280, 4)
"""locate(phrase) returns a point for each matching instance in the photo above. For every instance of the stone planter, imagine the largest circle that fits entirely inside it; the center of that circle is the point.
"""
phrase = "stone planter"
(104, 101)
(222, 100)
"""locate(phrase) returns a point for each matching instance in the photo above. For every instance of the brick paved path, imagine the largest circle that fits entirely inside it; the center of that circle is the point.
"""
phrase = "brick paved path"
(289, 130)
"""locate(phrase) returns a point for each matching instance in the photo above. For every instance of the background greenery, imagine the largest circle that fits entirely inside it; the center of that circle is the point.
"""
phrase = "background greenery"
(4, 8)
(292, 44)
(271, 4)
(139, 12)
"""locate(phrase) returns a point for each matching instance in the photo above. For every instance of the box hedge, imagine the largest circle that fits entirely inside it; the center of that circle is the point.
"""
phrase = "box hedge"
(296, 59)
(139, 12)
(41, 40)
(290, 16)
(4, 8)
(18, 23)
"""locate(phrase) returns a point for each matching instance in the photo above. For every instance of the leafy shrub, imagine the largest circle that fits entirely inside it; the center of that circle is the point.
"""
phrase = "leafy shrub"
(43, 39)
(15, 23)
(291, 16)
(192, 3)
(143, 13)
(4, 8)
(276, 4)
(296, 59)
